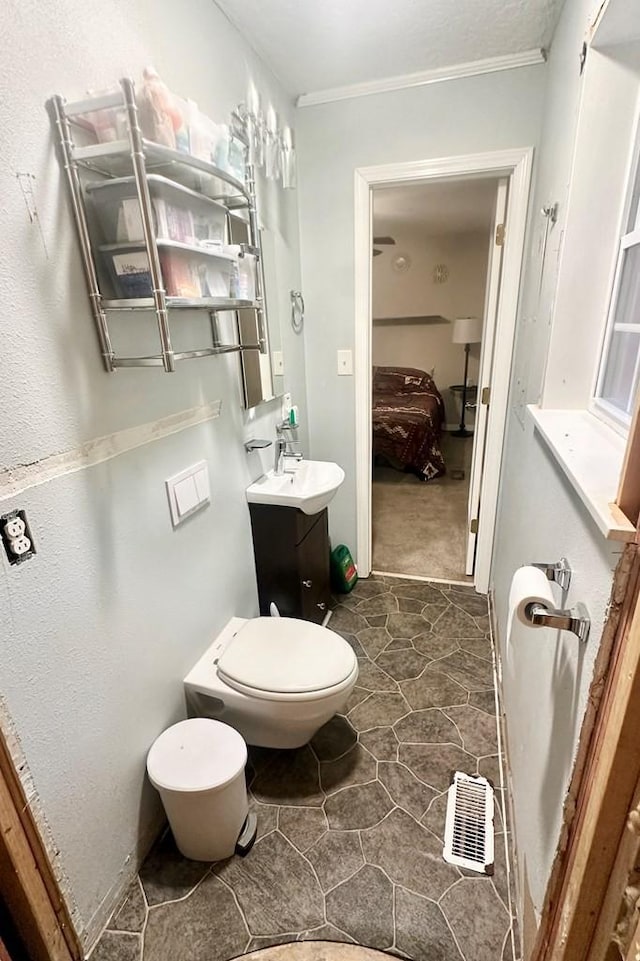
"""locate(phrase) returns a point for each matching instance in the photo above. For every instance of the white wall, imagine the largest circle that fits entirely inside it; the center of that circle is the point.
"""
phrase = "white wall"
(101, 626)
(414, 293)
(545, 676)
(492, 112)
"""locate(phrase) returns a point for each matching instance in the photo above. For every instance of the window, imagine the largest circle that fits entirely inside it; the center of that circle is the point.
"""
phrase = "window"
(619, 373)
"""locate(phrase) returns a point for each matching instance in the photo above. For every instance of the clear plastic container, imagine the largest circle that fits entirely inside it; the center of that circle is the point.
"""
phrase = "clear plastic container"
(237, 159)
(128, 270)
(243, 276)
(192, 274)
(180, 214)
(110, 123)
(230, 154)
(204, 134)
(187, 272)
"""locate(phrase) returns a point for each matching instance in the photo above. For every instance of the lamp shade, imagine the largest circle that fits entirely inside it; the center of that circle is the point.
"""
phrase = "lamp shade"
(466, 330)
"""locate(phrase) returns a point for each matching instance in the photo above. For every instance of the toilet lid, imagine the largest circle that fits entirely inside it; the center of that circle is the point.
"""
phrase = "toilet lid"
(284, 655)
(198, 754)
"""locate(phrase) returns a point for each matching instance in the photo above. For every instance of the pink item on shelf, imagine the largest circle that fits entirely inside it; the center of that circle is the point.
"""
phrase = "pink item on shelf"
(161, 118)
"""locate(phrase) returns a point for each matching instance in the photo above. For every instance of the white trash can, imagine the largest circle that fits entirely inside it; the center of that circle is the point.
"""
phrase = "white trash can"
(198, 767)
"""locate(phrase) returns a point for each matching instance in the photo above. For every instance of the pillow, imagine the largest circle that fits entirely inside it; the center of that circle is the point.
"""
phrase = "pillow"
(402, 380)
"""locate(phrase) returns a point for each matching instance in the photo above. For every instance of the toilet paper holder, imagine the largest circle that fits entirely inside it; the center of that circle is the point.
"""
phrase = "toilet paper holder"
(560, 572)
(576, 619)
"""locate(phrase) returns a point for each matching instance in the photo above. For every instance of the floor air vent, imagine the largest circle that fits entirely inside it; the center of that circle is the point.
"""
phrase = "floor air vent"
(468, 831)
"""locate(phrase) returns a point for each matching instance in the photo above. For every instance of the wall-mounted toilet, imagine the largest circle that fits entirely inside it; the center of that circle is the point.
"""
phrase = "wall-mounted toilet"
(276, 680)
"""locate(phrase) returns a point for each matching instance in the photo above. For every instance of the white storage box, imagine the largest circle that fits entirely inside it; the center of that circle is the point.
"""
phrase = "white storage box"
(179, 213)
(198, 768)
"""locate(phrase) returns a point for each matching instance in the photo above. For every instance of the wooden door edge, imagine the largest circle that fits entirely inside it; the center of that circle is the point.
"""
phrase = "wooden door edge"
(622, 604)
(44, 922)
(614, 926)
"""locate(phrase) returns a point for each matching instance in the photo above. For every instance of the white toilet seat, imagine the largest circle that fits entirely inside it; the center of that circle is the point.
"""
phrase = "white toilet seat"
(282, 659)
(240, 691)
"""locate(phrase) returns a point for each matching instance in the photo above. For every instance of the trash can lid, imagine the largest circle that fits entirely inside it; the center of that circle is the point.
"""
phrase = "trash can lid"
(198, 754)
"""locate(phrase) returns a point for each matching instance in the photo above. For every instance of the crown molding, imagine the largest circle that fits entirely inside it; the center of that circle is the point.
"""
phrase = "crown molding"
(457, 71)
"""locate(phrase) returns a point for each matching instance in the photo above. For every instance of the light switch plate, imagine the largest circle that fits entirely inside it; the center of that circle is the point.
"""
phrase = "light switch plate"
(188, 491)
(186, 496)
(277, 363)
(345, 363)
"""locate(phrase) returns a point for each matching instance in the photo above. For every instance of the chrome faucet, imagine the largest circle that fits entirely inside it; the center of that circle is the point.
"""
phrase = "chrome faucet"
(281, 446)
(284, 448)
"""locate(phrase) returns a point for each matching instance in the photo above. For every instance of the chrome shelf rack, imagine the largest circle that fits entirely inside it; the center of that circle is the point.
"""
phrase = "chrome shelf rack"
(139, 156)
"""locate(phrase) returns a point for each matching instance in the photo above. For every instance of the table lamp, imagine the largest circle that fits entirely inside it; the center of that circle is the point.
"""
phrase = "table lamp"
(467, 331)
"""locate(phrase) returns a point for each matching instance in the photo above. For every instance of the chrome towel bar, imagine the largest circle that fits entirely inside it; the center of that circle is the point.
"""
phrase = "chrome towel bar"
(576, 619)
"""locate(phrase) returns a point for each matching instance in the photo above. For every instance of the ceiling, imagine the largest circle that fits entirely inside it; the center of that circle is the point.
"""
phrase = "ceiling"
(455, 207)
(313, 45)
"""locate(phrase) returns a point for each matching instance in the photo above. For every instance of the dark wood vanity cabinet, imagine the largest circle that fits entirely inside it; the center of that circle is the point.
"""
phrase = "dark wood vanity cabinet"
(292, 561)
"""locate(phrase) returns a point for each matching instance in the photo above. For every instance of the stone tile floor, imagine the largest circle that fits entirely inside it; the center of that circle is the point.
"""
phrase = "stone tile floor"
(350, 827)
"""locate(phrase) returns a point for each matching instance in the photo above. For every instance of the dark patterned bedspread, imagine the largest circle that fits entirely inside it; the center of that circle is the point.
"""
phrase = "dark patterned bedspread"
(408, 413)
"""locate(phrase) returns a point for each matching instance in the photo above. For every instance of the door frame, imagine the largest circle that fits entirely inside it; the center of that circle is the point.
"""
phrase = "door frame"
(27, 881)
(487, 348)
(516, 164)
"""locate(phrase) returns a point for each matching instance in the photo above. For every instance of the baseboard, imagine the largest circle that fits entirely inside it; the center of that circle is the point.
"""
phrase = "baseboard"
(419, 577)
(90, 934)
(505, 765)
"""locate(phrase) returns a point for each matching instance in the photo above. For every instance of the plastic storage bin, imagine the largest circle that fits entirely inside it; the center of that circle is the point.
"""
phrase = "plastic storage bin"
(198, 768)
(179, 213)
(243, 275)
(108, 124)
(230, 154)
(188, 272)
(128, 270)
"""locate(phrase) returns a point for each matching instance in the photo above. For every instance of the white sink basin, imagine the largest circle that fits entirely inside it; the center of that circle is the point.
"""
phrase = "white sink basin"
(310, 486)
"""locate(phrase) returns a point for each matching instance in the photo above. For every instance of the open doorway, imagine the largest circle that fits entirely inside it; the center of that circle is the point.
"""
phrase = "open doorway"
(512, 169)
(431, 258)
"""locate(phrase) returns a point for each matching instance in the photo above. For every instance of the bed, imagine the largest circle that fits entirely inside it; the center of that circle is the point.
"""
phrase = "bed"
(408, 413)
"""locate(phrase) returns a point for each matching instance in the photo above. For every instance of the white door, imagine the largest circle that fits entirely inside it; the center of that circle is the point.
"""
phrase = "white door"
(486, 365)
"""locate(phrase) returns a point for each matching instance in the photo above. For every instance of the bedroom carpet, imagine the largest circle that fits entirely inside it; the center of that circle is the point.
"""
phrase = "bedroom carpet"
(421, 528)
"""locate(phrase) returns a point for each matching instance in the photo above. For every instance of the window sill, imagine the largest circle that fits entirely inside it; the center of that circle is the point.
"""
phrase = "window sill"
(591, 456)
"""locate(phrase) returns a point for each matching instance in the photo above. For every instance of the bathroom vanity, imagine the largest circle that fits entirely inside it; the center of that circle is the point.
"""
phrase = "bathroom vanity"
(291, 551)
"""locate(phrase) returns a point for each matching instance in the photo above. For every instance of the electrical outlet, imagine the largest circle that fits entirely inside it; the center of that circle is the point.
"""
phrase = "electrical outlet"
(16, 537)
(14, 527)
(20, 545)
